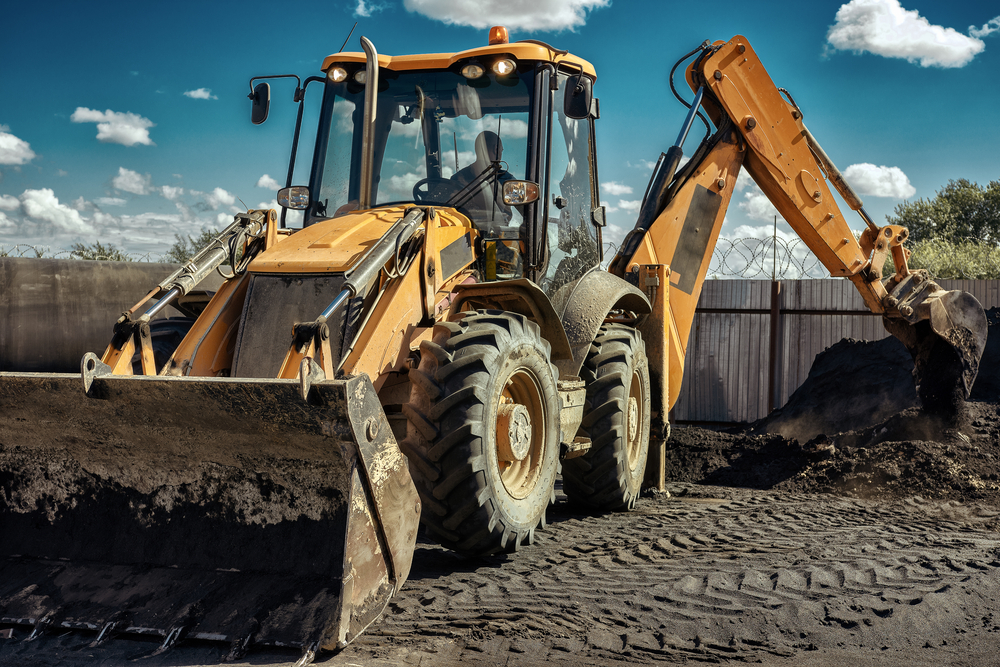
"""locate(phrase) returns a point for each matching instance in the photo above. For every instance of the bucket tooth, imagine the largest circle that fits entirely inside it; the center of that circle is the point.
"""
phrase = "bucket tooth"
(41, 625)
(107, 632)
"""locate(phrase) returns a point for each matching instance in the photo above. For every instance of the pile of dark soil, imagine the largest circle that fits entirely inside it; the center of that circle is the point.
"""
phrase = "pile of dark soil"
(856, 384)
(907, 454)
(853, 429)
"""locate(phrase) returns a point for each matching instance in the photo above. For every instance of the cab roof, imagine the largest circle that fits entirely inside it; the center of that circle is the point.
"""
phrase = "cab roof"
(517, 50)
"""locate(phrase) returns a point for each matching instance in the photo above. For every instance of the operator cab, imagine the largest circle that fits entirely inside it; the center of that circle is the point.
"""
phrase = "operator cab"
(451, 130)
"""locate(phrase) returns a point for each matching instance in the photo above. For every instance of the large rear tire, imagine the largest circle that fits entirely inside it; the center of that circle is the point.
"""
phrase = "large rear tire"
(616, 372)
(483, 431)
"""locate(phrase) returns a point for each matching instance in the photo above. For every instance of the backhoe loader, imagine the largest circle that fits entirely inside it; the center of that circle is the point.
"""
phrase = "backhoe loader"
(434, 344)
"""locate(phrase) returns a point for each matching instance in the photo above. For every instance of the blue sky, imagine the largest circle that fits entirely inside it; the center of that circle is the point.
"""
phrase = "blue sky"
(128, 123)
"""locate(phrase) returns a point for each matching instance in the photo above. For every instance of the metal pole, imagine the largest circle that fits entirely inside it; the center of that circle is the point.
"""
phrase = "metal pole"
(368, 131)
(772, 366)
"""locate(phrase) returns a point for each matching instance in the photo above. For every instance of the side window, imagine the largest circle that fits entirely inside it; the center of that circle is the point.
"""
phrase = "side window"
(572, 237)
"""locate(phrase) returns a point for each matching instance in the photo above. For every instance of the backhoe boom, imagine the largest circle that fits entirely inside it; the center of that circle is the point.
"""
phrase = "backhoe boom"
(760, 128)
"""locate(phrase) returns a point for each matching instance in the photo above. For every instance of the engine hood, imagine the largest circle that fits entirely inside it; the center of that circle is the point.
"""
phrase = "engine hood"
(335, 245)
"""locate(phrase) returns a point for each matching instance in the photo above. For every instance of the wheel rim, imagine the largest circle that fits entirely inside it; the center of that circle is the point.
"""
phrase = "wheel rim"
(520, 475)
(634, 419)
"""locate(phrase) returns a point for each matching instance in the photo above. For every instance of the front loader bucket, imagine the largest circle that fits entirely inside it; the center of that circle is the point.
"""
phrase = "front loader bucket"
(945, 332)
(226, 509)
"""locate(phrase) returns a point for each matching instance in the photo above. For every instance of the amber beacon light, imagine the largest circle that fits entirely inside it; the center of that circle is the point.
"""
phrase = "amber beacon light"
(498, 35)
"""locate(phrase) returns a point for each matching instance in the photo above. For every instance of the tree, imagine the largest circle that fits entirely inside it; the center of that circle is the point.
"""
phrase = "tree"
(187, 247)
(99, 251)
(962, 260)
(960, 211)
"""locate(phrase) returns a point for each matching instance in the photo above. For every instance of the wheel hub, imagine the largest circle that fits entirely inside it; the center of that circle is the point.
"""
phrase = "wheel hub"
(633, 418)
(513, 432)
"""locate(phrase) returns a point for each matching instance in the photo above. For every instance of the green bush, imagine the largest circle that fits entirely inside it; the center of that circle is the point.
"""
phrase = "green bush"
(964, 260)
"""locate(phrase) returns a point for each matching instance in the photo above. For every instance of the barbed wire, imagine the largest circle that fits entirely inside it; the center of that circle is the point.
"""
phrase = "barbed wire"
(753, 259)
(748, 258)
(45, 252)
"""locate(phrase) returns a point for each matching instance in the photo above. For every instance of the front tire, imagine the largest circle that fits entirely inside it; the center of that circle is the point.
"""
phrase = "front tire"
(616, 372)
(483, 431)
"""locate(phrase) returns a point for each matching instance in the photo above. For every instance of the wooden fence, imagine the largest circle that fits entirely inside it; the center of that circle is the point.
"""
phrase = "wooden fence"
(736, 371)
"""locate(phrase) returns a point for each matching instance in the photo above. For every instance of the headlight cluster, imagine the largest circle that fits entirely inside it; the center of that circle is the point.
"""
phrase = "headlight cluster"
(501, 67)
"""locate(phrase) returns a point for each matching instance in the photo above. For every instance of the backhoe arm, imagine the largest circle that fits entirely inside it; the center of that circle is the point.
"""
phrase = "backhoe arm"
(684, 209)
(788, 164)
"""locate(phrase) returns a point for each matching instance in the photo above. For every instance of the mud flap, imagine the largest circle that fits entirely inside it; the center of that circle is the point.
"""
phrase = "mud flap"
(224, 509)
(945, 332)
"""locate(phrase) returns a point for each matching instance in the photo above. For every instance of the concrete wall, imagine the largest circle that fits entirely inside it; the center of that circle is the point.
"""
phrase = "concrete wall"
(52, 311)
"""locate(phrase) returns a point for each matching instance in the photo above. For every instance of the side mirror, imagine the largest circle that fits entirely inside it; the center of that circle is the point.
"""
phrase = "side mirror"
(261, 97)
(295, 197)
(516, 193)
(579, 93)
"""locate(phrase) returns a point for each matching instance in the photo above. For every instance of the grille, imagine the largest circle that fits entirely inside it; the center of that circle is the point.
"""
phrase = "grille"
(274, 303)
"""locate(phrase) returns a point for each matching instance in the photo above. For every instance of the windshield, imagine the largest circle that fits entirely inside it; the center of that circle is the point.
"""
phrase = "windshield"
(440, 139)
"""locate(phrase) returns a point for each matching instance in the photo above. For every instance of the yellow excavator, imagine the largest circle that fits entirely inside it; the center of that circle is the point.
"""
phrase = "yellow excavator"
(434, 344)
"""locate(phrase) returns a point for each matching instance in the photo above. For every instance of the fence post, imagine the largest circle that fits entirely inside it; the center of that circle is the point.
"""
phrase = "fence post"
(775, 334)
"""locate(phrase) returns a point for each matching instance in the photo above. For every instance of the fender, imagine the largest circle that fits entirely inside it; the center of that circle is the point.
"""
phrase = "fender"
(518, 296)
(596, 294)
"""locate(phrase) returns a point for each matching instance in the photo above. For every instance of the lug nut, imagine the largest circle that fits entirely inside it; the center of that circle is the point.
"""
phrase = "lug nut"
(905, 311)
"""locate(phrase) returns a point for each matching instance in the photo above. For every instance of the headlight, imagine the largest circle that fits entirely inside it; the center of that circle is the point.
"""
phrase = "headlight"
(336, 74)
(504, 67)
(472, 71)
(361, 76)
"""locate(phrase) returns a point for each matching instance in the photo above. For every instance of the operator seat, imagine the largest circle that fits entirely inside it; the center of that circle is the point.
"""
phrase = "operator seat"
(483, 207)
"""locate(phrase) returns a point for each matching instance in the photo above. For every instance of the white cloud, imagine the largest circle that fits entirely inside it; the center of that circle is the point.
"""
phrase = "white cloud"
(615, 189)
(6, 224)
(884, 28)
(132, 181)
(219, 197)
(990, 27)
(14, 150)
(200, 94)
(127, 129)
(882, 181)
(641, 164)
(757, 206)
(9, 203)
(537, 15)
(365, 9)
(763, 232)
(171, 192)
(632, 205)
(744, 180)
(110, 201)
(42, 205)
(266, 181)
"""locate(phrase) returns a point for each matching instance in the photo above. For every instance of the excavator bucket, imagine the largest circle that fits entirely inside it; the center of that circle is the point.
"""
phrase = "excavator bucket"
(945, 332)
(225, 509)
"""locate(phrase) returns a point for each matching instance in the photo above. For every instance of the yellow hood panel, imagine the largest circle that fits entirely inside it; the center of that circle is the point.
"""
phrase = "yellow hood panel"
(336, 245)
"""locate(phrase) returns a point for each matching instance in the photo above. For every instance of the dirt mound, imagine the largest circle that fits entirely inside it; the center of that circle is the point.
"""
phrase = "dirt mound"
(987, 387)
(851, 384)
(856, 384)
(907, 454)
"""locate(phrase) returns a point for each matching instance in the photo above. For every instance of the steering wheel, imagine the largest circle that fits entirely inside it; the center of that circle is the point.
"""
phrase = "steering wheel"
(437, 189)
